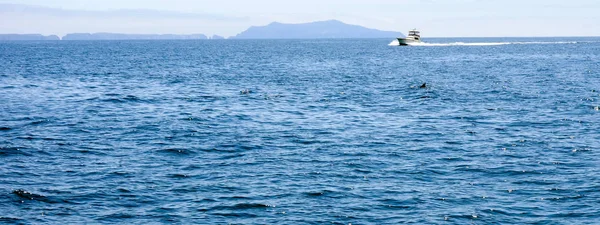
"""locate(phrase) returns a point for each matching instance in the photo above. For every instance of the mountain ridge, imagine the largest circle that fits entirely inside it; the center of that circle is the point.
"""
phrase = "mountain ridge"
(313, 30)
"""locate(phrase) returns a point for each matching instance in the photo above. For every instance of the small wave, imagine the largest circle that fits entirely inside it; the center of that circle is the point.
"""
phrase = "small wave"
(13, 151)
(25, 195)
(251, 206)
(236, 215)
(243, 206)
(425, 44)
(9, 219)
(123, 190)
(176, 151)
(116, 217)
(39, 122)
(565, 198)
(125, 99)
(178, 176)
(318, 193)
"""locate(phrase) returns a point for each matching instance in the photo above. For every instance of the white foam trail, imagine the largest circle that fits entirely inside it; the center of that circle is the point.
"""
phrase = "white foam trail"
(461, 44)
(396, 43)
(544, 43)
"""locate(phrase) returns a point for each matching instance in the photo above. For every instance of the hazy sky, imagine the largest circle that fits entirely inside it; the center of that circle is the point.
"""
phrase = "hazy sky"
(435, 18)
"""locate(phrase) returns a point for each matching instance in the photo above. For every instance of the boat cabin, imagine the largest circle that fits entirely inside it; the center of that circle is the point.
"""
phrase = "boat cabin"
(415, 34)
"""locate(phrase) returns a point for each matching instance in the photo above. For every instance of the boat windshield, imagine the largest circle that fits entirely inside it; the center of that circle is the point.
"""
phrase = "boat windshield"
(414, 33)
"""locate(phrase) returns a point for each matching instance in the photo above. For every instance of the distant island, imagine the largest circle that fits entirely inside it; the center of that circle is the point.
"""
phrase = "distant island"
(28, 37)
(117, 36)
(314, 30)
(275, 30)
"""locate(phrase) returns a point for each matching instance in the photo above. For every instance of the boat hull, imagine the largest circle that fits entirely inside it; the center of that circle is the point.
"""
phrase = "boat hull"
(407, 41)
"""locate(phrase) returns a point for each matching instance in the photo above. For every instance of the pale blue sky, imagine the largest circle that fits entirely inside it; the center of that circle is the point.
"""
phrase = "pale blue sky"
(435, 18)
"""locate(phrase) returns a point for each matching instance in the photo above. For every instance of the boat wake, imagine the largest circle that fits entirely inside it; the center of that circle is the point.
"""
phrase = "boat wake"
(395, 43)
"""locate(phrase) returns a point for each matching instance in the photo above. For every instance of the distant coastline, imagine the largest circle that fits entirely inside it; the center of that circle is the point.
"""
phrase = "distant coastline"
(28, 37)
(313, 30)
(118, 36)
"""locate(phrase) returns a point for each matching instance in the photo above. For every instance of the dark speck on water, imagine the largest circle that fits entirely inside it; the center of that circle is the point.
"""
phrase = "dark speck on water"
(300, 132)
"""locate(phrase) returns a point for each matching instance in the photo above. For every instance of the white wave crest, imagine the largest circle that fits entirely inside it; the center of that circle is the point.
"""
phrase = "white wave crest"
(461, 44)
(396, 43)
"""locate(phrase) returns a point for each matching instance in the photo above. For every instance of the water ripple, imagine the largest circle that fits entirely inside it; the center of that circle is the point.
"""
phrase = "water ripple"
(299, 132)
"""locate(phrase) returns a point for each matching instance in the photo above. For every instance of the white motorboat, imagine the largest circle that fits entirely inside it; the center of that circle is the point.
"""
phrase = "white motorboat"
(414, 36)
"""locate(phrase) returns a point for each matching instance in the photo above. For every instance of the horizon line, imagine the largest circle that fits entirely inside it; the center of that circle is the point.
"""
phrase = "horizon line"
(209, 37)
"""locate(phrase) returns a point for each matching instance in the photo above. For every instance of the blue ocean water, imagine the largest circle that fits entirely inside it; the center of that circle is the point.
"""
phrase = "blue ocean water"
(300, 132)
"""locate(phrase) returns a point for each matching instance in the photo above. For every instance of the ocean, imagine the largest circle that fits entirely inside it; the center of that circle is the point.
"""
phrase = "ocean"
(340, 131)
